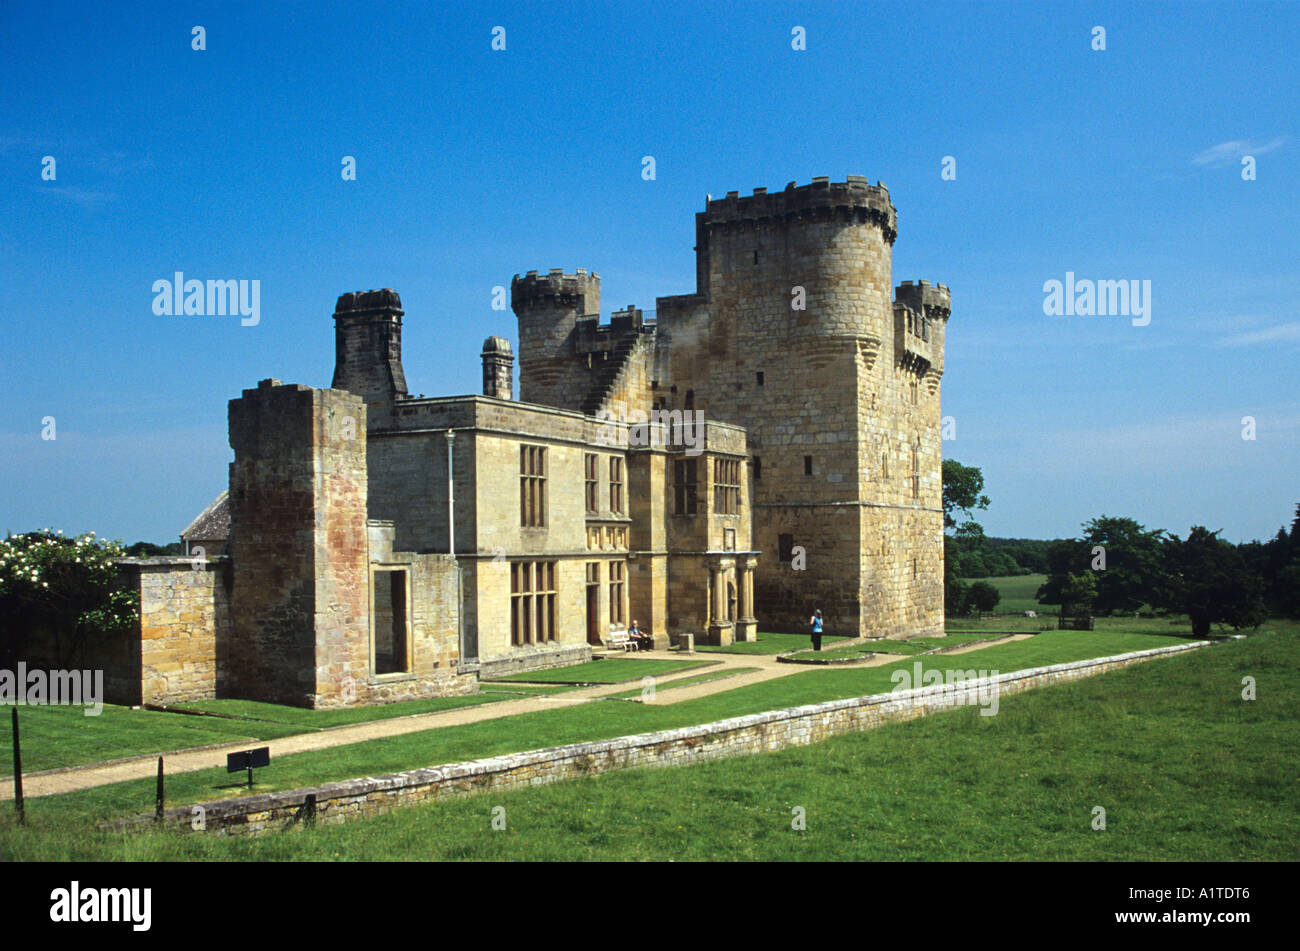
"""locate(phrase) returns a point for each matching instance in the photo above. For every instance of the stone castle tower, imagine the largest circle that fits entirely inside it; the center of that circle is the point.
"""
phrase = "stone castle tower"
(791, 333)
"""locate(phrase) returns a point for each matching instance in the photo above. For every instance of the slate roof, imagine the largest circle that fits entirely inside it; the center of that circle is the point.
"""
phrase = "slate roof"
(213, 522)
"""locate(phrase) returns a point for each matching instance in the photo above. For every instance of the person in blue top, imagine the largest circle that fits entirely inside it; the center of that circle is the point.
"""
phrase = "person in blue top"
(816, 622)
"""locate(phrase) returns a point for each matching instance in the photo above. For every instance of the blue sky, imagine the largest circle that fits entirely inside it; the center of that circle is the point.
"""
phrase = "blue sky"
(474, 165)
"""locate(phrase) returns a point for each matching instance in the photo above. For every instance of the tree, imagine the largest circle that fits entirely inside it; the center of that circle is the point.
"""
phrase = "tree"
(1208, 578)
(983, 596)
(962, 494)
(1123, 556)
(1078, 594)
(1288, 587)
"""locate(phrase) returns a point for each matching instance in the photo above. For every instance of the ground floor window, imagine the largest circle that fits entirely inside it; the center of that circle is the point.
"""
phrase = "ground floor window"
(391, 645)
(532, 602)
(616, 582)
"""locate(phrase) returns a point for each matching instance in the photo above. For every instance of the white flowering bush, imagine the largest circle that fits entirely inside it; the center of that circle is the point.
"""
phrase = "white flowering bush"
(64, 591)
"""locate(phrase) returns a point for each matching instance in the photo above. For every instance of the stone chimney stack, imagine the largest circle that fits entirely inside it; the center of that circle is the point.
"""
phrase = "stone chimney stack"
(498, 368)
(368, 347)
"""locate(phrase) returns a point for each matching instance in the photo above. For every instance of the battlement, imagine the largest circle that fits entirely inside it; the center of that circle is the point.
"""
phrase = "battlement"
(361, 303)
(853, 199)
(554, 289)
(926, 299)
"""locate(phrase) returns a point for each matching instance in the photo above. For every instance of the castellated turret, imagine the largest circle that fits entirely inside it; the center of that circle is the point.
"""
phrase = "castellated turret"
(548, 307)
(368, 347)
(809, 265)
(921, 313)
(498, 368)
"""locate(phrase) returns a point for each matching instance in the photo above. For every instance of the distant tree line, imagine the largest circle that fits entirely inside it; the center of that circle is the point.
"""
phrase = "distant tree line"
(1118, 566)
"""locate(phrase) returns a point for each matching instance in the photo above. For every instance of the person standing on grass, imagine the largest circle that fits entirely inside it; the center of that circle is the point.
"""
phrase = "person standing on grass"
(816, 622)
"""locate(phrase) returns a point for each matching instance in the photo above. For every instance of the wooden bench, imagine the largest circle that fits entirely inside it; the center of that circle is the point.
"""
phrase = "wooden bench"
(621, 640)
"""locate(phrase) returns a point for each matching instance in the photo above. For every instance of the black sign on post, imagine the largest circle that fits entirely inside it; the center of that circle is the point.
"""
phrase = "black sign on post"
(249, 760)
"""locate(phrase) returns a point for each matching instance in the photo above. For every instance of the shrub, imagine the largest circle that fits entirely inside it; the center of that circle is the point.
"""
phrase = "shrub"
(65, 590)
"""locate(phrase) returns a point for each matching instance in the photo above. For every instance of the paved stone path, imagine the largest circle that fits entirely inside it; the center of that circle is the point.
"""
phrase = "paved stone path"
(53, 782)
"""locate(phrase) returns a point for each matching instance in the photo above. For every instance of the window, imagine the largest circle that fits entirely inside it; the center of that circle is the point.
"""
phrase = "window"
(391, 655)
(785, 547)
(591, 463)
(884, 466)
(914, 392)
(760, 377)
(532, 486)
(616, 593)
(532, 602)
(807, 465)
(726, 486)
(616, 484)
(684, 487)
(757, 466)
(916, 473)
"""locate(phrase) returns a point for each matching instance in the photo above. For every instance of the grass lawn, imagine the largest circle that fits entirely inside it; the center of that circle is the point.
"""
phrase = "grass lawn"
(63, 823)
(602, 670)
(769, 644)
(1185, 769)
(305, 721)
(916, 645)
(58, 737)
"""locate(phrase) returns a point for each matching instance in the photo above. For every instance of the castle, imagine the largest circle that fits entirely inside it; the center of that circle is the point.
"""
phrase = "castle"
(766, 445)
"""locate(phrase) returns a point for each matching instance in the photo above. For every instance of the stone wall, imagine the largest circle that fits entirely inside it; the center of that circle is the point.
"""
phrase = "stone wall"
(184, 613)
(300, 607)
(757, 733)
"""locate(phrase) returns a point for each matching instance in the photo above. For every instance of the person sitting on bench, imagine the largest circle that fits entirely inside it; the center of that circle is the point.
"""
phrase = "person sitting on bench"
(643, 641)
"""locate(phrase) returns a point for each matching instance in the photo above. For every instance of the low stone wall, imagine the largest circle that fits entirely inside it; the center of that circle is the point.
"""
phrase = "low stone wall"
(523, 659)
(757, 733)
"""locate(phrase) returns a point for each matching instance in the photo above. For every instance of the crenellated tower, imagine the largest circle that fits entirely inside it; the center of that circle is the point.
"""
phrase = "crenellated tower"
(548, 307)
(792, 333)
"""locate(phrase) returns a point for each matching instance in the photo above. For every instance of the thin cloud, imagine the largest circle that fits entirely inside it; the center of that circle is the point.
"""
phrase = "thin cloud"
(1225, 153)
(1280, 333)
(81, 196)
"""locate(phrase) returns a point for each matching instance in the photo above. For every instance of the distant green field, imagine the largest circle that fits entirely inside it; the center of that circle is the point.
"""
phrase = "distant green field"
(1017, 593)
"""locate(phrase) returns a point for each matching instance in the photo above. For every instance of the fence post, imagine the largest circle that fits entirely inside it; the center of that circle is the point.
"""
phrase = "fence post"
(18, 770)
(160, 796)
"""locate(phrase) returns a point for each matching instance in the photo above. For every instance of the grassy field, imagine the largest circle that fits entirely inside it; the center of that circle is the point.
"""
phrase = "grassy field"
(1017, 593)
(770, 644)
(58, 737)
(915, 645)
(1185, 769)
(63, 823)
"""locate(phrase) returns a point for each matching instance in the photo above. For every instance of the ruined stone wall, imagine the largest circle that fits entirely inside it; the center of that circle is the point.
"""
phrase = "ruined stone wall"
(300, 602)
(184, 612)
(434, 622)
